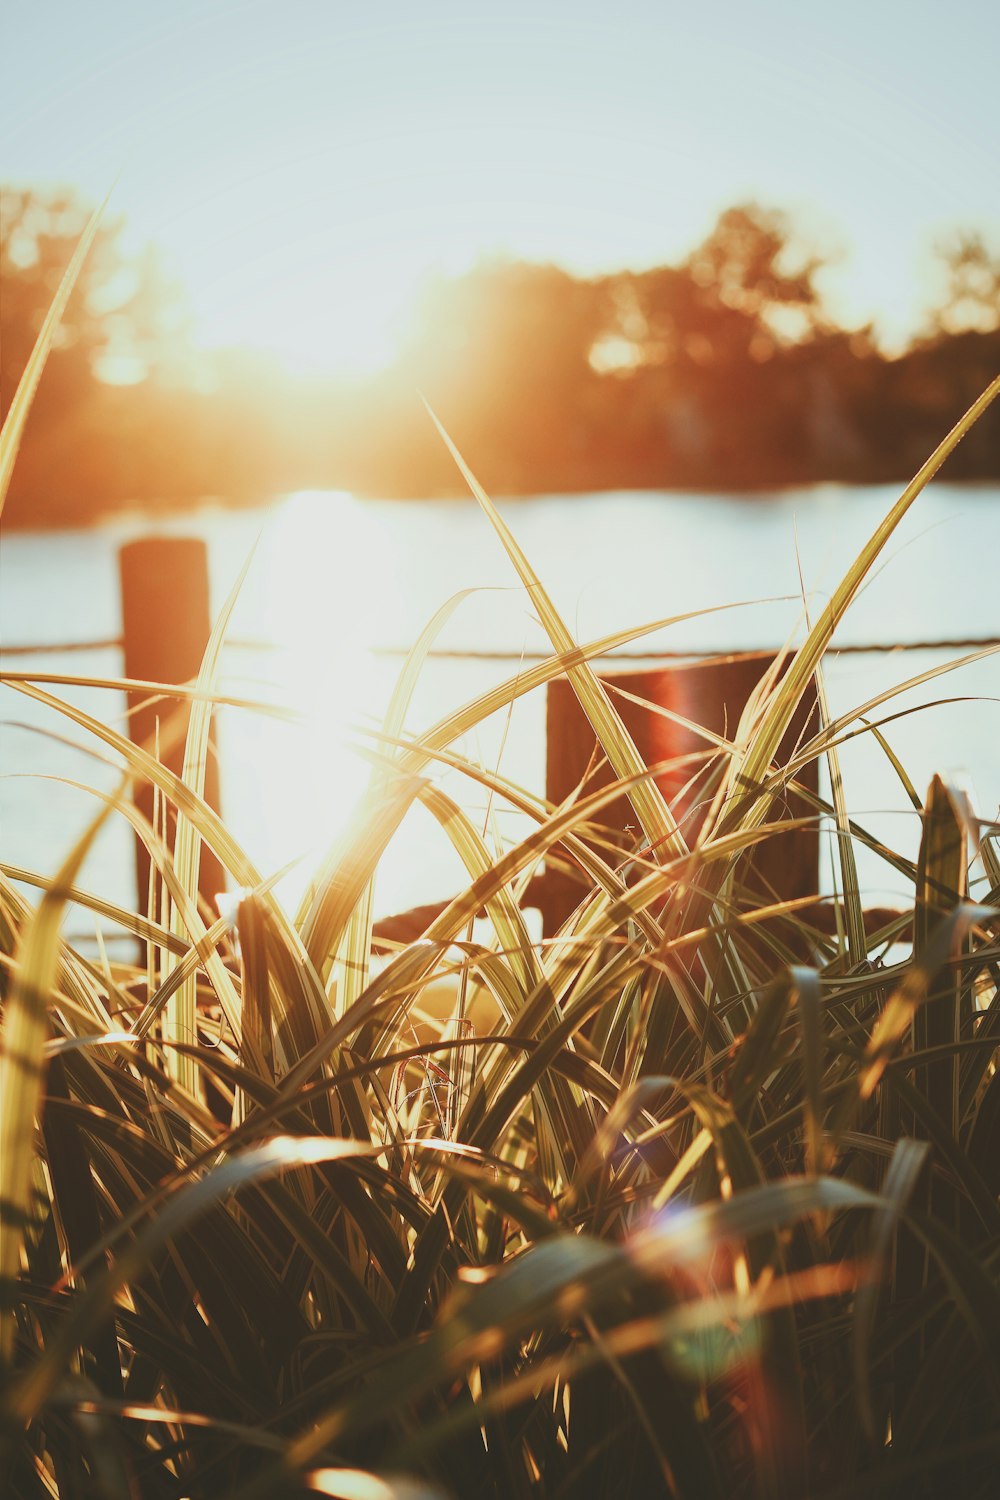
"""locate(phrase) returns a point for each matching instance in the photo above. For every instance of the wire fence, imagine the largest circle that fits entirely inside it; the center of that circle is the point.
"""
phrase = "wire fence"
(868, 648)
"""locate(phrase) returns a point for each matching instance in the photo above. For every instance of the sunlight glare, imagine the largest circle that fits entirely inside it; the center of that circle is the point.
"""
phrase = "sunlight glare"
(322, 308)
(323, 618)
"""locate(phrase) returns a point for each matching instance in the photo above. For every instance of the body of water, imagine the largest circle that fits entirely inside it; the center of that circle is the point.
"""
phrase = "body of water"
(336, 584)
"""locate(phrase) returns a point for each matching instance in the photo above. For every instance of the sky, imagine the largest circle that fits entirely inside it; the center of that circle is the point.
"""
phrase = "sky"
(307, 165)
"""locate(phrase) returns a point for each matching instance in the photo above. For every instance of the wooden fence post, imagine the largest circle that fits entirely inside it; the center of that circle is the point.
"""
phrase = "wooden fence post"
(166, 625)
(712, 694)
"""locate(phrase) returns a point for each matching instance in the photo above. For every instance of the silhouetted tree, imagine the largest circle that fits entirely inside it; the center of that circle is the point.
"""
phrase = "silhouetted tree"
(972, 298)
(504, 354)
(117, 312)
(707, 385)
(743, 292)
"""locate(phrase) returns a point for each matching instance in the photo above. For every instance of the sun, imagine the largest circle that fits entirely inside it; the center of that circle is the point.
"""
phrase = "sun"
(319, 310)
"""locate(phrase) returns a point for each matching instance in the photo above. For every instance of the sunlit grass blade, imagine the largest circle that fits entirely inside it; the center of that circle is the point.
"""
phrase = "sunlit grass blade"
(839, 732)
(802, 666)
(15, 419)
(850, 888)
(942, 869)
(540, 812)
(188, 922)
(812, 649)
(210, 827)
(121, 916)
(349, 868)
(353, 1484)
(357, 941)
(25, 1021)
(180, 1021)
(654, 816)
(915, 989)
(897, 766)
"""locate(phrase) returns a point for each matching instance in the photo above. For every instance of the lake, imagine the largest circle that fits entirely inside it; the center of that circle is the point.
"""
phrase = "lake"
(337, 584)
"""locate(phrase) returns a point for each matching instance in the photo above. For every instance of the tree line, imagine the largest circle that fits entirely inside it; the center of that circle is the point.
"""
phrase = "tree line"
(725, 371)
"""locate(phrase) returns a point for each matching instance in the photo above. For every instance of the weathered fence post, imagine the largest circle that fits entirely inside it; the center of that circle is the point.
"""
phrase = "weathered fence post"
(166, 625)
(710, 693)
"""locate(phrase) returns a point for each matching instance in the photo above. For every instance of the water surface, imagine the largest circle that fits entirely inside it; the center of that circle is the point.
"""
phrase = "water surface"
(336, 583)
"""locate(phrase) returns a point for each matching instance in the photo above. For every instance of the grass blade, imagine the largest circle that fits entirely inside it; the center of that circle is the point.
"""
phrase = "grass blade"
(655, 817)
(22, 1060)
(17, 416)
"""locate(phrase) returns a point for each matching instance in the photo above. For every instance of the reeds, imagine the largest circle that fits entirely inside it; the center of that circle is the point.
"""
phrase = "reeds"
(654, 1207)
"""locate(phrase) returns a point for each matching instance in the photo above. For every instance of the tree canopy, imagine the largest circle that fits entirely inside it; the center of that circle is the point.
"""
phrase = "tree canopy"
(116, 321)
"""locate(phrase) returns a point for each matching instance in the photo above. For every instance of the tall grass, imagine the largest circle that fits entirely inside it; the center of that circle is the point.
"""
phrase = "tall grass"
(652, 1208)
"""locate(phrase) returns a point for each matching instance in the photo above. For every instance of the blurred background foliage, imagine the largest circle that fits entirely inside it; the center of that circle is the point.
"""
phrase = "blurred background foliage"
(724, 371)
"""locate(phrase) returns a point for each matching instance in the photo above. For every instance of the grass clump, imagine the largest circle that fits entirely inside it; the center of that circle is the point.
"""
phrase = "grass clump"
(652, 1208)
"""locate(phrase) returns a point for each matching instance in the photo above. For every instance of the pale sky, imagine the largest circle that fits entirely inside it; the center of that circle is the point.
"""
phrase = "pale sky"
(306, 164)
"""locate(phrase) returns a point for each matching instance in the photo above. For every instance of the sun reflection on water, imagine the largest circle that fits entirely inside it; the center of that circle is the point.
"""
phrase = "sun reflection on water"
(317, 615)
